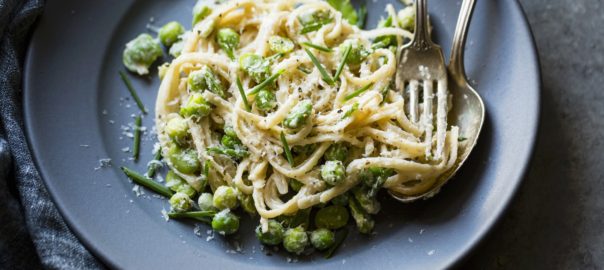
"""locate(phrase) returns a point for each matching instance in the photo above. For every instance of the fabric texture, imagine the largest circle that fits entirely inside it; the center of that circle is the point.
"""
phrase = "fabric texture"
(33, 234)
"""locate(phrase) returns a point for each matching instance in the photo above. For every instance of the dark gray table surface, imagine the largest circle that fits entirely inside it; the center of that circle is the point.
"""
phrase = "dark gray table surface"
(556, 220)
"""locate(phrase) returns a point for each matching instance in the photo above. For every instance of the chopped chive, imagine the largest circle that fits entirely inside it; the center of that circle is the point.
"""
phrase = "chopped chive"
(133, 93)
(304, 70)
(203, 216)
(137, 137)
(147, 182)
(265, 83)
(326, 77)
(362, 16)
(318, 47)
(349, 113)
(206, 174)
(153, 166)
(243, 96)
(344, 59)
(274, 57)
(288, 152)
(358, 92)
(340, 236)
(461, 139)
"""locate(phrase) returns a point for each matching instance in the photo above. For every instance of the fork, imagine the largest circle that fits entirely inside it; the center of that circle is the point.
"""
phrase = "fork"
(422, 64)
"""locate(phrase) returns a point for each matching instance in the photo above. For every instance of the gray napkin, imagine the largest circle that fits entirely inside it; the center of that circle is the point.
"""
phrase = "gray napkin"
(32, 232)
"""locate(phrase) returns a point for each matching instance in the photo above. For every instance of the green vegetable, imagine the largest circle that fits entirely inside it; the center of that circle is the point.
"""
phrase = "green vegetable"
(178, 130)
(206, 202)
(137, 137)
(247, 203)
(295, 240)
(340, 237)
(147, 182)
(306, 149)
(230, 131)
(180, 202)
(225, 222)
(205, 79)
(274, 234)
(196, 106)
(368, 203)
(347, 10)
(140, 53)
(358, 53)
(295, 184)
(313, 21)
(266, 82)
(228, 40)
(407, 20)
(332, 217)
(337, 151)
(279, 44)
(363, 220)
(345, 56)
(177, 184)
(170, 32)
(176, 48)
(184, 160)
(243, 95)
(299, 115)
(324, 74)
(266, 100)
(362, 14)
(322, 239)
(300, 219)
(152, 167)
(286, 149)
(333, 172)
(358, 92)
(231, 142)
(384, 41)
(236, 154)
(374, 178)
(255, 66)
(225, 197)
(133, 93)
(349, 112)
(200, 11)
(317, 47)
(341, 199)
(203, 216)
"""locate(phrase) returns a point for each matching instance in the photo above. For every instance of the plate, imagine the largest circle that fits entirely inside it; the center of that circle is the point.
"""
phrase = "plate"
(77, 112)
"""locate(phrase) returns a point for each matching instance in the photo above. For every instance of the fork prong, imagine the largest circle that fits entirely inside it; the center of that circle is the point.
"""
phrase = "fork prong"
(413, 100)
(441, 117)
(428, 115)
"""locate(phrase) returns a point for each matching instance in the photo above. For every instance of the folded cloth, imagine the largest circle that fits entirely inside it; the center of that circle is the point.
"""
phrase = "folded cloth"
(32, 232)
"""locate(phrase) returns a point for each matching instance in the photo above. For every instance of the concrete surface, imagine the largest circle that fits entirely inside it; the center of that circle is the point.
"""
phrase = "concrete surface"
(556, 220)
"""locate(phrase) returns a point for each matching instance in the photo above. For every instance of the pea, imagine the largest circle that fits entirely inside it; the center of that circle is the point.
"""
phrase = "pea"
(225, 197)
(170, 33)
(140, 53)
(332, 217)
(295, 240)
(225, 222)
(322, 239)
(274, 234)
(279, 44)
(184, 160)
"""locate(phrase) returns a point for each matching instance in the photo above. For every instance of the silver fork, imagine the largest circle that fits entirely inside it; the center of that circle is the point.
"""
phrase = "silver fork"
(422, 63)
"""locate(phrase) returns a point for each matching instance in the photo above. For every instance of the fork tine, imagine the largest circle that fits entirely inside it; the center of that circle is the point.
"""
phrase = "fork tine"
(441, 117)
(427, 115)
(413, 100)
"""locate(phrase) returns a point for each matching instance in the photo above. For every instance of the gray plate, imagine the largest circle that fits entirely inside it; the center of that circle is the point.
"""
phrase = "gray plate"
(71, 80)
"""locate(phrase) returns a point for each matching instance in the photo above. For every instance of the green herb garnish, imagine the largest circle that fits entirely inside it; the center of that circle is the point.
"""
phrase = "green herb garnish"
(133, 93)
(317, 47)
(344, 59)
(326, 77)
(148, 183)
(288, 152)
(242, 93)
(358, 92)
(266, 82)
(137, 137)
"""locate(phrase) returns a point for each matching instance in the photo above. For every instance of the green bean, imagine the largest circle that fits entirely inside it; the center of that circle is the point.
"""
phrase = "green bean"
(317, 47)
(358, 92)
(137, 137)
(133, 93)
(266, 82)
(343, 62)
(326, 77)
(147, 182)
(203, 216)
(243, 95)
(286, 149)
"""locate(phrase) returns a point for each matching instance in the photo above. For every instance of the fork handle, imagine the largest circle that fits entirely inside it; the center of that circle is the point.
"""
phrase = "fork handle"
(456, 63)
(421, 38)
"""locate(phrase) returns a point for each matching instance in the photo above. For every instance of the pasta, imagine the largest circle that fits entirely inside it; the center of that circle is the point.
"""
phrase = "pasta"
(360, 108)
